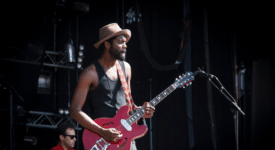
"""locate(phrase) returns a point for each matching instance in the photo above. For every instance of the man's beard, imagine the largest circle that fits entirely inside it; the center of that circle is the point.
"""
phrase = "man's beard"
(118, 55)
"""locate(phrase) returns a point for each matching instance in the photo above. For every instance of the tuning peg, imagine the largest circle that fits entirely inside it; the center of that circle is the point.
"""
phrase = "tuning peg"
(177, 79)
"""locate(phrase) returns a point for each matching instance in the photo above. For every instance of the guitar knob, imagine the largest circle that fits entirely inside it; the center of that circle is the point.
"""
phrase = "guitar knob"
(187, 84)
(177, 79)
(190, 83)
(179, 76)
(183, 87)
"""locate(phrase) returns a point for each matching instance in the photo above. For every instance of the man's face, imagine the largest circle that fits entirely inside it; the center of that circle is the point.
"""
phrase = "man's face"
(118, 49)
(67, 141)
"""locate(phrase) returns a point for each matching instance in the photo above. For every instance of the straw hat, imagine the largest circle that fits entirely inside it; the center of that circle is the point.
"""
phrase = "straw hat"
(111, 30)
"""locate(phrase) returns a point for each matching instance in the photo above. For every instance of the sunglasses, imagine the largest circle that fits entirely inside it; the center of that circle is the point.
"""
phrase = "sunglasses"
(72, 136)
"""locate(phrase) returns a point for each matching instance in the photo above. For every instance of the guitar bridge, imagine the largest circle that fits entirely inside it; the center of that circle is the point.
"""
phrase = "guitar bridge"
(100, 144)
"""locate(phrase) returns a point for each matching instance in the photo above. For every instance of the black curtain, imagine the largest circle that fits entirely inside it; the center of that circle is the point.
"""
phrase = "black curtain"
(262, 114)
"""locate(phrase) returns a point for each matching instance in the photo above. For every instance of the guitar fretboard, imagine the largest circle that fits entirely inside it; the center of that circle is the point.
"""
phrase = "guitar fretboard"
(140, 112)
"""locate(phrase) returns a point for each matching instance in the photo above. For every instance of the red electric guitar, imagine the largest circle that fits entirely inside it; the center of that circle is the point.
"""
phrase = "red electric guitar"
(127, 124)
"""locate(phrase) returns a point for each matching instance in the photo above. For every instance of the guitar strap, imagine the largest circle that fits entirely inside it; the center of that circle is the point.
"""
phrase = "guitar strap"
(126, 89)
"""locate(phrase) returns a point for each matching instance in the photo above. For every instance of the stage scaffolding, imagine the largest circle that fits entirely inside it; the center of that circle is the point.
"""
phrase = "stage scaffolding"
(37, 119)
(50, 59)
(48, 120)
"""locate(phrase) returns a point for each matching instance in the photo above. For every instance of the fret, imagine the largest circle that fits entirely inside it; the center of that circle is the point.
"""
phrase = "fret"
(167, 90)
(136, 116)
(171, 88)
(153, 102)
(128, 121)
(156, 102)
(159, 97)
(142, 110)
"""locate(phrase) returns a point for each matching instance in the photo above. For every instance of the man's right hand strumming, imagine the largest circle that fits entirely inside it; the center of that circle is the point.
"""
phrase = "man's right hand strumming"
(111, 134)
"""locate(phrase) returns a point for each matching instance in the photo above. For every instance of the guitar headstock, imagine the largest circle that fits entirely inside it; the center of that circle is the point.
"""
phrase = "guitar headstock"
(184, 79)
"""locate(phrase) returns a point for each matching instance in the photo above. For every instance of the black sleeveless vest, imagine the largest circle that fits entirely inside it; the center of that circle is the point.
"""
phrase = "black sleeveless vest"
(108, 96)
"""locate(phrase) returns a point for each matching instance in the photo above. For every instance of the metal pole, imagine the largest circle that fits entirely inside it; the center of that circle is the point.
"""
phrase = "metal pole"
(236, 85)
(117, 11)
(69, 90)
(122, 14)
(209, 87)
(151, 123)
(55, 69)
(11, 120)
(236, 129)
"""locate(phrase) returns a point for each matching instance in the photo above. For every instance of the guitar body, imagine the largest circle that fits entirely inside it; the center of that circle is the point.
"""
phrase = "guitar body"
(91, 138)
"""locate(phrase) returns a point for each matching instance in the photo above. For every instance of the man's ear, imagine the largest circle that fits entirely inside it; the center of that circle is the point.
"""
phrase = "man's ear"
(61, 137)
(107, 44)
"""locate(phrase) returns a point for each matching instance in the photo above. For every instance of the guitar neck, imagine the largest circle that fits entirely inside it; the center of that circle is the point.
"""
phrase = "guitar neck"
(162, 95)
(140, 112)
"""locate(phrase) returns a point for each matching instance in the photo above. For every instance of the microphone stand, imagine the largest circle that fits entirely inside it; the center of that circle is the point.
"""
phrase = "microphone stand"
(226, 94)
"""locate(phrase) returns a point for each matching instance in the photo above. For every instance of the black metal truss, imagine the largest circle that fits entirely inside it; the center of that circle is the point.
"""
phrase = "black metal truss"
(48, 120)
(50, 59)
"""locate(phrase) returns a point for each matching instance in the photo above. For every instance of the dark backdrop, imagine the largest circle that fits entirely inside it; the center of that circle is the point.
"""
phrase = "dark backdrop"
(22, 22)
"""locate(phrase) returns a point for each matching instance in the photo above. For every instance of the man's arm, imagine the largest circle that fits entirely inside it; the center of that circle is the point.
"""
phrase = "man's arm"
(86, 79)
(149, 110)
(89, 78)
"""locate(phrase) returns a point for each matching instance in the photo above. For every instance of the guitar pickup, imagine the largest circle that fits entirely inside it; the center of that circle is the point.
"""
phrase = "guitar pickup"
(126, 125)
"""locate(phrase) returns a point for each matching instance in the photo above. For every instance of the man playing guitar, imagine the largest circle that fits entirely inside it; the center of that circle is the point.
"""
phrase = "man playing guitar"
(100, 84)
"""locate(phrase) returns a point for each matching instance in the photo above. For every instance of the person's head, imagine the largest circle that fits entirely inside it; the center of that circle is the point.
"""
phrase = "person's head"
(66, 134)
(113, 39)
(116, 47)
(102, 47)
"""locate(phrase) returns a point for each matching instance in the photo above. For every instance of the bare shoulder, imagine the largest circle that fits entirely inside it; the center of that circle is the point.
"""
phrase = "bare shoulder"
(89, 76)
(128, 69)
(127, 65)
(89, 71)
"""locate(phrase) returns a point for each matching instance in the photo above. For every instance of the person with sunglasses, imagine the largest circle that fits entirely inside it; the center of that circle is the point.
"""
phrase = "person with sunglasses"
(67, 137)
